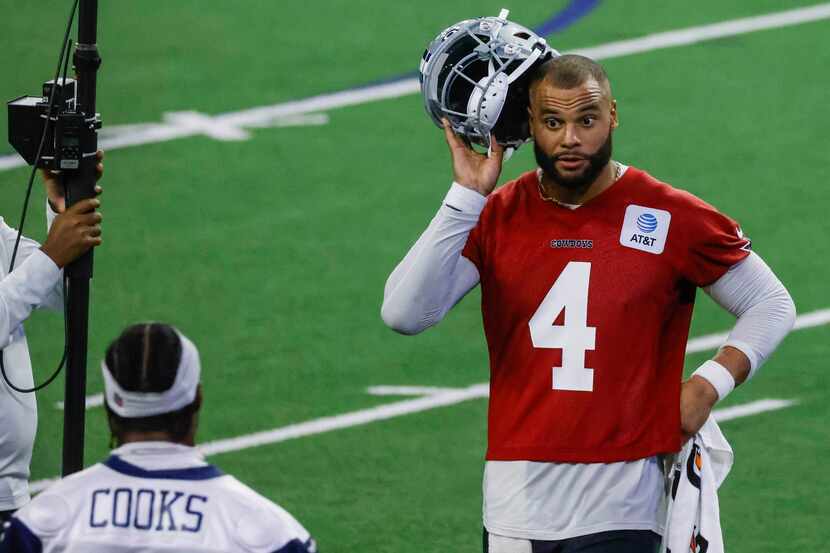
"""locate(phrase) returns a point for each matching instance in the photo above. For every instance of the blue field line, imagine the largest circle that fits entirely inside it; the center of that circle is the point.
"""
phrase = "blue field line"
(558, 22)
(230, 125)
(570, 14)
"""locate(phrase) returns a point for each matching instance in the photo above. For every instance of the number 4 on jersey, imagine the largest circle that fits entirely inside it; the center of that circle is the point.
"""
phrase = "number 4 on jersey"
(568, 293)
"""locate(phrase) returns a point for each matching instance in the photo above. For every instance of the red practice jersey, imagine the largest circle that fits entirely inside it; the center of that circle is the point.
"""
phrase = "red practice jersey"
(587, 314)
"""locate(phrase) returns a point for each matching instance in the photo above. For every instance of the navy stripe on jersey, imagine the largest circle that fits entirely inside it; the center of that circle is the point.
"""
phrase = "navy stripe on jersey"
(296, 546)
(19, 539)
(206, 472)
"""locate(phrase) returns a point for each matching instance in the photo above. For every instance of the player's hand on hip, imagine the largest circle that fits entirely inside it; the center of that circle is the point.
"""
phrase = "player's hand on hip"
(697, 398)
(73, 232)
(471, 169)
(54, 189)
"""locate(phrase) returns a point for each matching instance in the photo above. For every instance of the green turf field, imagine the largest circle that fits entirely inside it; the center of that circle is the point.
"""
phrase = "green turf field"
(271, 253)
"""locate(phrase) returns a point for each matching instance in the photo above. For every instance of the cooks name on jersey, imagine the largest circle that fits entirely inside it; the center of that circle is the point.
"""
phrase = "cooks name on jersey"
(147, 509)
(645, 228)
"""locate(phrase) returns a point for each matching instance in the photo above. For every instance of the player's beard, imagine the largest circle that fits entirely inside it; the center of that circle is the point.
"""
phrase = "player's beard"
(596, 163)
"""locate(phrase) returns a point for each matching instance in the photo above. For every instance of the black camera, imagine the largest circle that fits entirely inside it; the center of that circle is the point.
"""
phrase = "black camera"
(67, 131)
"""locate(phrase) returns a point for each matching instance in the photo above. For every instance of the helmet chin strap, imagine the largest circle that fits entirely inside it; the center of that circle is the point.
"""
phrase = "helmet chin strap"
(500, 21)
(531, 59)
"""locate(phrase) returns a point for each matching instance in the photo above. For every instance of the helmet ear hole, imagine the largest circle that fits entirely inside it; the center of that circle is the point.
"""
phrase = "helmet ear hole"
(513, 125)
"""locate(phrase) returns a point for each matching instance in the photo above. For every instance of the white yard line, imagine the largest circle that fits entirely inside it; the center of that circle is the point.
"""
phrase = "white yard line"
(432, 397)
(811, 319)
(695, 345)
(703, 33)
(711, 341)
(230, 126)
(406, 390)
(94, 400)
(443, 398)
(751, 408)
(348, 420)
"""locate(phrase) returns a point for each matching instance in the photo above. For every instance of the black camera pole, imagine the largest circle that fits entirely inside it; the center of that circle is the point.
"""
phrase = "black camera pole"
(80, 185)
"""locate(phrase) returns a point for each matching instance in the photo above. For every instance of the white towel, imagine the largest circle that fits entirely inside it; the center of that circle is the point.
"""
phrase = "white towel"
(693, 516)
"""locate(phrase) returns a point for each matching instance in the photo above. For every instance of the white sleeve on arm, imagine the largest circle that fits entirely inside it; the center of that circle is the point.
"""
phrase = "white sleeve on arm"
(35, 276)
(764, 308)
(434, 275)
(53, 298)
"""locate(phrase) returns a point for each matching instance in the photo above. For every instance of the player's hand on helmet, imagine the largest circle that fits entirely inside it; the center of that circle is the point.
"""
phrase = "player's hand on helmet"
(73, 232)
(54, 190)
(471, 169)
(697, 398)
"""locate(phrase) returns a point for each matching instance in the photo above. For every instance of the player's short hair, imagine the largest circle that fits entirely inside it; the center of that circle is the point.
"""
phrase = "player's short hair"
(145, 358)
(569, 71)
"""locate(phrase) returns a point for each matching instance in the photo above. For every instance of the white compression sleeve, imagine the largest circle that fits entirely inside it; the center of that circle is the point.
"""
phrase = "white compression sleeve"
(765, 310)
(434, 275)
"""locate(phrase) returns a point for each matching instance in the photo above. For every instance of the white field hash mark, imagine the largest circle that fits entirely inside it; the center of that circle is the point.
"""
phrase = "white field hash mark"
(232, 125)
(707, 342)
(97, 400)
(94, 400)
(431, 397)
(442, 397)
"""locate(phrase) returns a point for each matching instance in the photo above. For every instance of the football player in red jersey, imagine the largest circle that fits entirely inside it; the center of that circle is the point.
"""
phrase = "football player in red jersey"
(588, 271)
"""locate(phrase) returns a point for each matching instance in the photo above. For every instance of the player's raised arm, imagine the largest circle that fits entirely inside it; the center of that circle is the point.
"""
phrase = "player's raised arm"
(434, 274)
(443, 265)
(471, 169)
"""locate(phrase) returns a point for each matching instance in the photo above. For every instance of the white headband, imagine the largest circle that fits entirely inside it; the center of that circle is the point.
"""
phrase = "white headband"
(146, 404)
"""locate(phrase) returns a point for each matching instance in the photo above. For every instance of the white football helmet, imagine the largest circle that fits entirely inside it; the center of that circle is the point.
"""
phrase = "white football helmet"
(472, 75)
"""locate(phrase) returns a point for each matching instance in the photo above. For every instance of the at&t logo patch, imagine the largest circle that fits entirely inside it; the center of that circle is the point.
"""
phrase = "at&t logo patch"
(647, 222)
(645, 228)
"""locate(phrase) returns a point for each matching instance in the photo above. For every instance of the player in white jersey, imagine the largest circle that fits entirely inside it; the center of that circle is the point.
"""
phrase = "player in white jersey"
(155, 492)
(35, 282)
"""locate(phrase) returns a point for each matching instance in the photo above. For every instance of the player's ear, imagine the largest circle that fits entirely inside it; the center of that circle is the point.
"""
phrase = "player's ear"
(615, 122)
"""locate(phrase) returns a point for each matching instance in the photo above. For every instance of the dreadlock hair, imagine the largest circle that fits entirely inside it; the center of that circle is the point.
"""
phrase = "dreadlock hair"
(145, 358)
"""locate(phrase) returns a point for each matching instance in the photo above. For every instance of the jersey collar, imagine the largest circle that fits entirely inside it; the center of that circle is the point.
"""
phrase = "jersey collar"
(161, 460)
(205, 472)
(624, 172)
